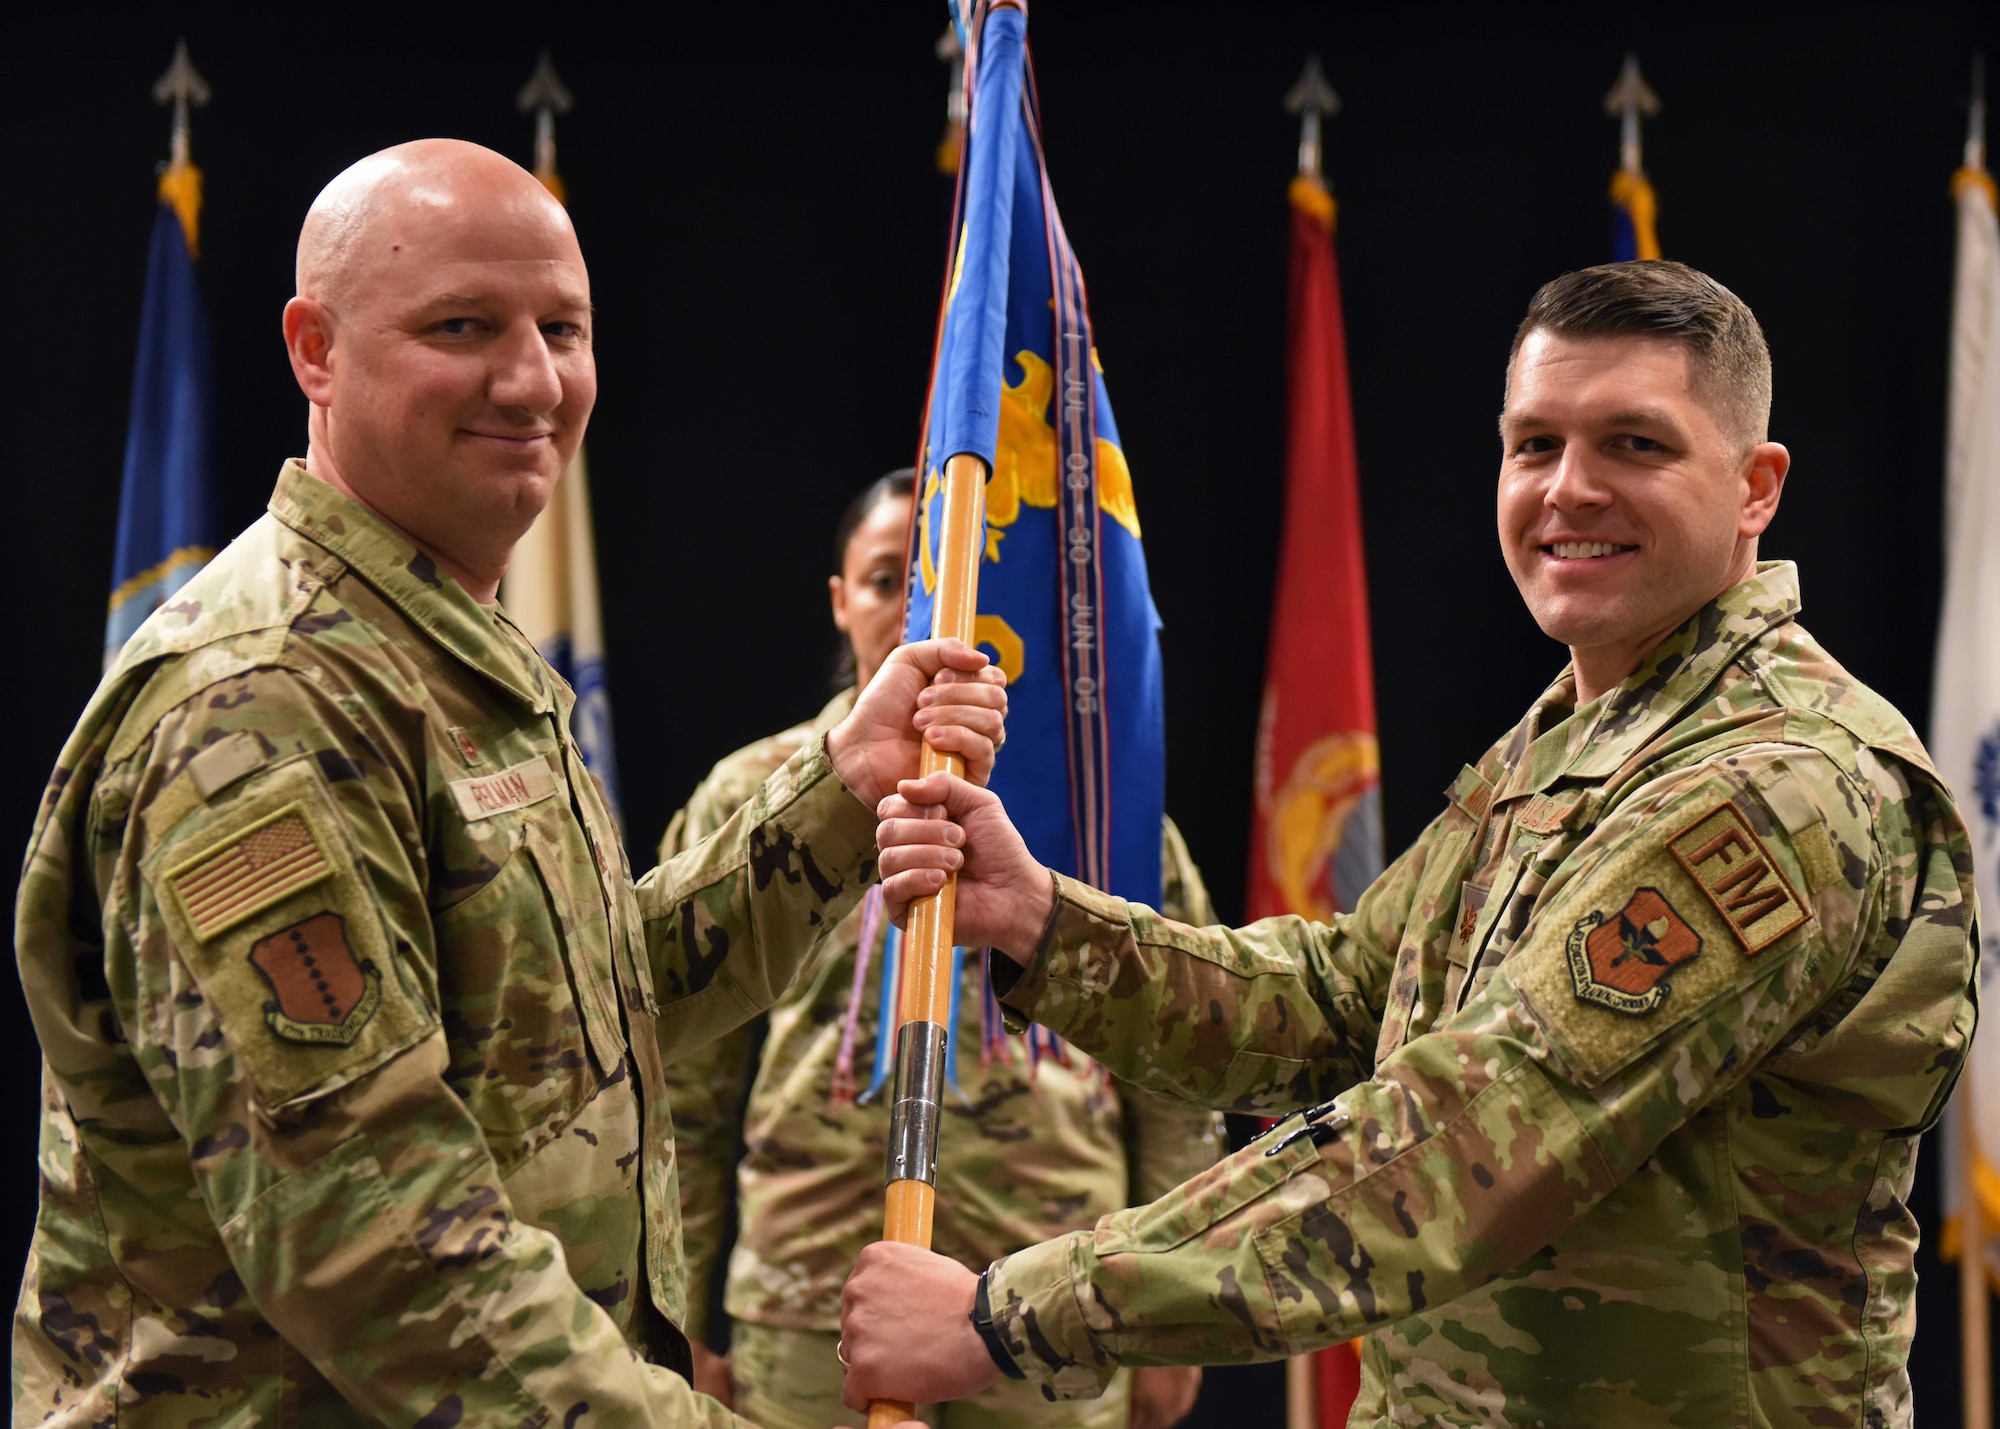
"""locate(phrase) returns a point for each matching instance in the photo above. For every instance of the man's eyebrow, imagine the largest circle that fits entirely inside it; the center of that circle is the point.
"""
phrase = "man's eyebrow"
(472, 300)
(1643, 417)
(1631, 417)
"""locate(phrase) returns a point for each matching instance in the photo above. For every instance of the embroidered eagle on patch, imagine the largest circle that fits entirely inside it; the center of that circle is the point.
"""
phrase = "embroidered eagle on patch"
(1621, 960)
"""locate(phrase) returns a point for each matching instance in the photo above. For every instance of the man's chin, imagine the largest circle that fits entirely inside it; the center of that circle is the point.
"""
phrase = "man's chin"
(1579, 625)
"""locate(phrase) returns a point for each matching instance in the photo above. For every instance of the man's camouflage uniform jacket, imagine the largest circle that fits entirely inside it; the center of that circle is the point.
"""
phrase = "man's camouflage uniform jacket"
(1615, 1077)
(1019, 1158)
(353, 1020)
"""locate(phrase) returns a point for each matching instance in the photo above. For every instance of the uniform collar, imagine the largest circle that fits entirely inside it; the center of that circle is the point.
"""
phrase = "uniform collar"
(1558, 740)
(408, 579)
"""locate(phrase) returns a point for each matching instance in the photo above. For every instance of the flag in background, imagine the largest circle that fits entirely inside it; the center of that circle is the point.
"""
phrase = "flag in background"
(166, 500)
(1965, 701)
(1633, 203)
(1316, 828)
(550, 590)
(1064, 604)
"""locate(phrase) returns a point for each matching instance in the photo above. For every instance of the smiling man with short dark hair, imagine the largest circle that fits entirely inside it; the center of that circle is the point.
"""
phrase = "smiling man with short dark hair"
(1602, 1105)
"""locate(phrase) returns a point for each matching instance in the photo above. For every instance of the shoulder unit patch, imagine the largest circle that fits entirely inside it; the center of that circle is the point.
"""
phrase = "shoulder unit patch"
(325, 994)
(1724, 856)
(1620, 961)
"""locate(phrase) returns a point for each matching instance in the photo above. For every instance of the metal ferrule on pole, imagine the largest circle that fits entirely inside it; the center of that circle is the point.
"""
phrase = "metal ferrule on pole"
(916, 1104)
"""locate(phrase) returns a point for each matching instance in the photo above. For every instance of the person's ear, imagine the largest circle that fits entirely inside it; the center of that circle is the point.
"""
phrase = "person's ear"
(1764, 468)
(309, 345)
(836, 592)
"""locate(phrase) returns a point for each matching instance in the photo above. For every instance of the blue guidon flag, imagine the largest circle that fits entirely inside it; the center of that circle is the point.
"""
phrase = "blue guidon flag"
(166, 505)
(1064, 605)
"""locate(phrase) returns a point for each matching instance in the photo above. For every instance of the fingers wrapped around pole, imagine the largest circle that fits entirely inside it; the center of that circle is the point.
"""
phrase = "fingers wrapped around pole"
(924, 1006)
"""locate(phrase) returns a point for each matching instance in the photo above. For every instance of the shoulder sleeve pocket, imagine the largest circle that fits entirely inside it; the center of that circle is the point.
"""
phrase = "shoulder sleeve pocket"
(265, 902)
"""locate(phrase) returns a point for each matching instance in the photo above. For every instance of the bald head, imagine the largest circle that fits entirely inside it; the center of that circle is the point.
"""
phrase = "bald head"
(442, 334)
(390, 210)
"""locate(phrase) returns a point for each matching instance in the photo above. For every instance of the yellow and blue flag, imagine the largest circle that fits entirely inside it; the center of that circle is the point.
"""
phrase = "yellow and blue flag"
(1064, 604)
(1633, 208)
(166, 504)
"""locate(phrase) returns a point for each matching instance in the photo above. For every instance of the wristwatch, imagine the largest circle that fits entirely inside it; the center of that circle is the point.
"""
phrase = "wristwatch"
(981, 1315)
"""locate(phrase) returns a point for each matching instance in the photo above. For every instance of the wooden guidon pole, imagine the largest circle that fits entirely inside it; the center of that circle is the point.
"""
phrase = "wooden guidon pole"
(924, 1007)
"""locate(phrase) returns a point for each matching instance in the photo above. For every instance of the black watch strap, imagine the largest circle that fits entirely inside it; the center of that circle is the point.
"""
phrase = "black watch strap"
(981, 1316)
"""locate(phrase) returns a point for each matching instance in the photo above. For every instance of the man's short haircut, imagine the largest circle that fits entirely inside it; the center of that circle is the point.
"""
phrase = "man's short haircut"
(1729, 363)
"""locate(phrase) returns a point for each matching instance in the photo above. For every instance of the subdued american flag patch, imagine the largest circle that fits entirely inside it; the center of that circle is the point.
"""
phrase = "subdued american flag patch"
(273, 858)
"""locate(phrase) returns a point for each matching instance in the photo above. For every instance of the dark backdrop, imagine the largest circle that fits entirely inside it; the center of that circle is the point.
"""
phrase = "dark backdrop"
(754, 190)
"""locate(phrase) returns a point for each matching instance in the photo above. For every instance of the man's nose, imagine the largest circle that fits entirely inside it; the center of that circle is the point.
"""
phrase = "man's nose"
(1576, 484)
(525, 378)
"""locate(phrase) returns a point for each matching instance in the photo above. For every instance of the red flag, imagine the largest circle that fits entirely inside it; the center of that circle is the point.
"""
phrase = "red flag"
(1316, 841)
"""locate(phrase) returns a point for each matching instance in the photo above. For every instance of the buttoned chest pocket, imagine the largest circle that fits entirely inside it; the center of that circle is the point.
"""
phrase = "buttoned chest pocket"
(523, 1012)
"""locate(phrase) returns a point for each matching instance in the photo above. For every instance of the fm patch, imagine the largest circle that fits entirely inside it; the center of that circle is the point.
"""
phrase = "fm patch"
(272, 859)
(325, 995)
(1725, 857)
(1620, 961)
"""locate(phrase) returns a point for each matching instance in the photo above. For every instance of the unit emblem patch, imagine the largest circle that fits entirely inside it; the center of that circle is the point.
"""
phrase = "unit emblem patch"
(325, 995)
(1723, 854)
(1620, 961)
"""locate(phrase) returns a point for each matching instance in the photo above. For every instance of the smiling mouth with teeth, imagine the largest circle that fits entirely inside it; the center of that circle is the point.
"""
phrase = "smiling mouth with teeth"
(1585, 550)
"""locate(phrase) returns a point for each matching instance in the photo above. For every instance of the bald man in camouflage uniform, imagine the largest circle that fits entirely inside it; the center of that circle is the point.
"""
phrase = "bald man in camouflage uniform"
(352, 1016)
(1604, 1101)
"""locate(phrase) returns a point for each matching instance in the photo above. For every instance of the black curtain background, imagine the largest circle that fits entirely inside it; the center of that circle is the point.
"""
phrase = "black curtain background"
(754, 189)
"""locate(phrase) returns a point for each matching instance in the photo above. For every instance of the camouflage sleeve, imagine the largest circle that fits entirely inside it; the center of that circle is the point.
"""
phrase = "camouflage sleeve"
(730, 922)
(1264, 1019)
(356, 1196)
(1166, 1144)
(706, 1090)
(708, 1085)
(1483, 1140)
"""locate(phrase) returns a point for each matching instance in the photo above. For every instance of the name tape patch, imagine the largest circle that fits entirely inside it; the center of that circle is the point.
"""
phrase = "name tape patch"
(484, 795)
(271, 859)
(1730, 864)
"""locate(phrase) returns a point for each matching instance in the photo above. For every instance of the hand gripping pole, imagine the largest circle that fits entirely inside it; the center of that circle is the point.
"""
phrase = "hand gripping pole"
(924, 1007)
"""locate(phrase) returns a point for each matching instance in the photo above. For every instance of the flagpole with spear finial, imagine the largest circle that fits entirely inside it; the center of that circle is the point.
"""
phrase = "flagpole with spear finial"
(923, 1002)
(1312, 99)
(180, 181)
(1629, 98)
(1974, 1252)
(951, 52)
(545, 96)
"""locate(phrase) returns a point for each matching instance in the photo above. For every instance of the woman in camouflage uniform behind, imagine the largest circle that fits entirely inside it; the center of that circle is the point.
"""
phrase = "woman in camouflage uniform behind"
(1033, 1146)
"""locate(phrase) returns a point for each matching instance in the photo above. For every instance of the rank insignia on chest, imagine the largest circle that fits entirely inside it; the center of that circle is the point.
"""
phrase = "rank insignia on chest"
(1723, 854)
(325, 995)
(1620, 960)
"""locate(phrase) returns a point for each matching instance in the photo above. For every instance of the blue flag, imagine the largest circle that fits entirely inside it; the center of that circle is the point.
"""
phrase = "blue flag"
(166, 506)
(1064, 605)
